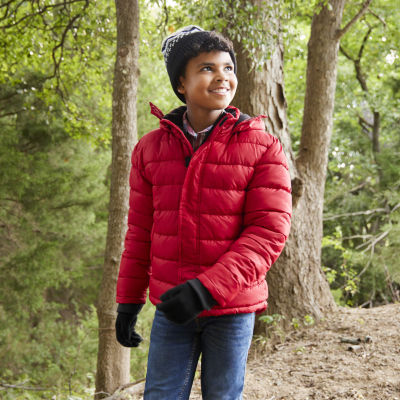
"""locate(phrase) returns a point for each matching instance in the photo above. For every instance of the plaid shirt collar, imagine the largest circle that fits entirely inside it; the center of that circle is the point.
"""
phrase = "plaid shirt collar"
(188, 128)
(196, 139)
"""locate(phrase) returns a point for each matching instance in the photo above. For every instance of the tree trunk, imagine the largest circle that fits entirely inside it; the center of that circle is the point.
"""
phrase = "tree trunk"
(296, 282)
(113, 360)
(310, 285)
(371, 128)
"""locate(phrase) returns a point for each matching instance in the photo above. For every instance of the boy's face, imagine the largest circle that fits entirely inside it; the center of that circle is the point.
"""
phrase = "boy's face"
(209, 83)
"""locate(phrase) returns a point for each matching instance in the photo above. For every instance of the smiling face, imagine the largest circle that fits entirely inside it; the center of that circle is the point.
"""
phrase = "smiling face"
(209, 84)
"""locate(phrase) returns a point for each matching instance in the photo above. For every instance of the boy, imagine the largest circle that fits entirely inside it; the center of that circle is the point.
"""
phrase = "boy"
(209, 214)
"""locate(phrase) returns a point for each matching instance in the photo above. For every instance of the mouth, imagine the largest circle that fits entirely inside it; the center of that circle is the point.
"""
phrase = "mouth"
(220, 90)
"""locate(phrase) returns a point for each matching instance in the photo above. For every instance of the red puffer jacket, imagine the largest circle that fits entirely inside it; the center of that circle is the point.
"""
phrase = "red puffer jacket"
(223, 219)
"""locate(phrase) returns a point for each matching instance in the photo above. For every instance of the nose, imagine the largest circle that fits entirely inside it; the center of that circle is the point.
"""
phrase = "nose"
(222, 75)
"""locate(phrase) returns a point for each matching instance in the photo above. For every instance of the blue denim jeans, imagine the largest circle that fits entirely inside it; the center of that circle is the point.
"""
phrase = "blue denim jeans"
(223, 341)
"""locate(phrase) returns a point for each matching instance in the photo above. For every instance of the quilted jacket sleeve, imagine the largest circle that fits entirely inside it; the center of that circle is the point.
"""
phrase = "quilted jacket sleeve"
(133, 278)
(266, 226)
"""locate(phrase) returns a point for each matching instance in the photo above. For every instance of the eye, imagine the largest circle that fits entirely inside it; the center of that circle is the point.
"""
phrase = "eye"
(206, 68)
(229, 68)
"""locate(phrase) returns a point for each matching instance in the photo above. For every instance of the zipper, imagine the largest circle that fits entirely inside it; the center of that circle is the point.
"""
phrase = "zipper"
(181, 135)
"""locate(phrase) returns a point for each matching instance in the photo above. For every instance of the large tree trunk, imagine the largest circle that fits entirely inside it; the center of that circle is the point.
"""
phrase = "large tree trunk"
(113, 359)
(297, 284)
(312, 160)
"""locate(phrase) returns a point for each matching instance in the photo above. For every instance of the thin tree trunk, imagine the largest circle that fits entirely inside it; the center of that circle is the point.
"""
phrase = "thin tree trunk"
(113, 360)
(371, 128)
(297, 284)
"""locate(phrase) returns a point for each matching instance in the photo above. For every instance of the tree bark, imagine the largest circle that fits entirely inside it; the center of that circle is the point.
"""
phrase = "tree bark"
(113, 360)
(312, 159)
(297, 284)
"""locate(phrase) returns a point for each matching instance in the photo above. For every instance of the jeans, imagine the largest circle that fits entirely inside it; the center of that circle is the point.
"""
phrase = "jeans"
(223, 341)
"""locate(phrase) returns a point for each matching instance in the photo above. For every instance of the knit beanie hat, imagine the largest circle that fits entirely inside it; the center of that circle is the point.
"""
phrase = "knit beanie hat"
(183, 45)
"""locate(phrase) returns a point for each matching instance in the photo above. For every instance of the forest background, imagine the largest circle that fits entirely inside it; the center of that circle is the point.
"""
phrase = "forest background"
(57, 63)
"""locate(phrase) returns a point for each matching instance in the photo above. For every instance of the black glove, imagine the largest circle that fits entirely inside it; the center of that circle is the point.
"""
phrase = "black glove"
(185, 302)
(125, 325)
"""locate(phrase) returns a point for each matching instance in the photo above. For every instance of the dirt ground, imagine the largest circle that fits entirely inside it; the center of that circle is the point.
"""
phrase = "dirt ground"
(313, 363)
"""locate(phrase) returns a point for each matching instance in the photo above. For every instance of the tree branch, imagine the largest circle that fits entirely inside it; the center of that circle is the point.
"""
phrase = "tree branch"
(9, 199)
(371, 243)
(356, 237)
(389, 281)
(8, 386)
(358, 187)
(6, 13)
(6, 4)
(12, 113)
(378, 17)
(72, 204)
(363, 10)
(9, 12)
(346, 54)
(40, 11)
(395, 207)
(360, 52)
(357, 61)
(129, 388)
(366, 127)
(364, 123)
(8, 96)
(61, 44)
(367, 212)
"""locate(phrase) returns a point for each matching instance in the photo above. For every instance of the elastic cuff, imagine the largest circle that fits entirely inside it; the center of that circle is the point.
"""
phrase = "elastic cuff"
(129, 308)
(206, 300)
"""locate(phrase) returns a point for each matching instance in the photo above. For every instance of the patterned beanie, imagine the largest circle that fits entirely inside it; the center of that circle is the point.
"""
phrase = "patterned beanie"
(180, 47)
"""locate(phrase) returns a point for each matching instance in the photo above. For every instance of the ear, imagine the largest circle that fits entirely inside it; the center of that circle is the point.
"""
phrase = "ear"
(181, 86)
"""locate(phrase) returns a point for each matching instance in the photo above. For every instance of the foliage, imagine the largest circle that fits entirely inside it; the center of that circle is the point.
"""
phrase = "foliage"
(295, 46)
(53, 221)
(55, 119)
(361, 199)
(278, 331)
(275, 328)
(61, 52)
(153, 80)
(257, 38)
(308, 320)
(361, 196)
(57, 354)
(273, 319)
(54, 159)
(54, 188)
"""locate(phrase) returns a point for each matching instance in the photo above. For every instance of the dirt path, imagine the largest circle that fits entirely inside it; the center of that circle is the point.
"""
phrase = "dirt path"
(313, 363)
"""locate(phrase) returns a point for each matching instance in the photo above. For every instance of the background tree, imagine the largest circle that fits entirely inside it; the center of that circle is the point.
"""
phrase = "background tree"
(53, 172)
(113, 359)
(297, 283)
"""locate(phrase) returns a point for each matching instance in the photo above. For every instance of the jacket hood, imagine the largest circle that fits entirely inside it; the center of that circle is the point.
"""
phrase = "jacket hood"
(232, 113)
